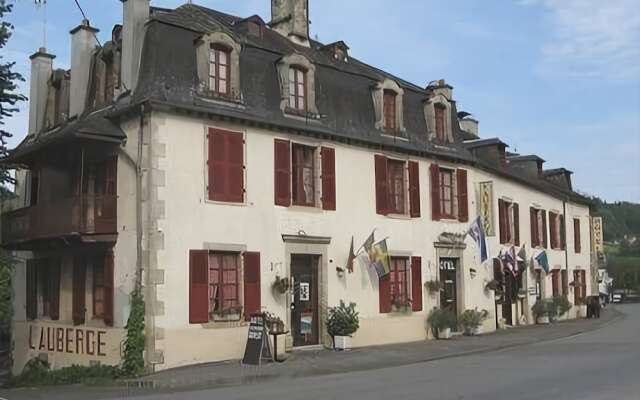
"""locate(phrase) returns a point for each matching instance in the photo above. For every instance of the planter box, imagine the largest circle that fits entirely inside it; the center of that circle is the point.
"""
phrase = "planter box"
(542, 320)
(342, 342)
(444, 334)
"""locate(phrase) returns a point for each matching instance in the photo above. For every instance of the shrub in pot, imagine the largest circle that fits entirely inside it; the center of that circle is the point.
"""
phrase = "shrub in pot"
(441, 321)
(342, 322)
(561, 305)
(433, 286)
(540, 312)
(471, 321)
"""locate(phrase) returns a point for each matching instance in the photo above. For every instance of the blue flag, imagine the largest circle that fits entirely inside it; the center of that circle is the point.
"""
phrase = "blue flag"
(543, 261)
(476, 231)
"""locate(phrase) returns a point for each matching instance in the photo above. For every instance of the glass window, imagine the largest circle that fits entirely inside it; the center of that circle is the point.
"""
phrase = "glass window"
(224, 272)
(303, 175)
(396, 184)
(98, 288)
(297, 89)
(447, 193)
(390, 110)
(219, 72)
(399, 280)
(440, 111)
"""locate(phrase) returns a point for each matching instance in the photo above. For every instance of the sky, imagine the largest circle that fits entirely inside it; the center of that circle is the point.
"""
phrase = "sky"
(556, 78)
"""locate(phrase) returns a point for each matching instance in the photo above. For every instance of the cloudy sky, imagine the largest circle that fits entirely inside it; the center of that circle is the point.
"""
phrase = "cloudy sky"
(557, 78)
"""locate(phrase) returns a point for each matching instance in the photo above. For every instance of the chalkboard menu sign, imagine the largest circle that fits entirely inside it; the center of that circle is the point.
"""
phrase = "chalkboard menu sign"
(258, 346)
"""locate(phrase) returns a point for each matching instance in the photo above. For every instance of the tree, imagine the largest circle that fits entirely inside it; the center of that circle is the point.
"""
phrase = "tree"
(8, 100)
(8, 97)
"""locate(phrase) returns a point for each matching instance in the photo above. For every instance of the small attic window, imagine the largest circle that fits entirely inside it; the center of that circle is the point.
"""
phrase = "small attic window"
(338, 51)
(218, 58)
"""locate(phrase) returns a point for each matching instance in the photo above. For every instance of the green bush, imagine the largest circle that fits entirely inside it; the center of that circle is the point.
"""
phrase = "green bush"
(440, 319)
(561, 305)
(133, 364)
(343, 320)
(37, 372)
(540, 309)
(472, 319)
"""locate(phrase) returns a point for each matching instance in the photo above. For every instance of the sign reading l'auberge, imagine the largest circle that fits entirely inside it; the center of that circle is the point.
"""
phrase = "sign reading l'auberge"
(68, 340)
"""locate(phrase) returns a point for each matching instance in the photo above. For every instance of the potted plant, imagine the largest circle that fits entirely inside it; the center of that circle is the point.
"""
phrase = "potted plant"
(441, 321)
(281, 285)
(433, 286)
(342, 322)
(471, 321)
(522, 293)
(492, 285)
(561, 305)
(401, 305)
(540, 312)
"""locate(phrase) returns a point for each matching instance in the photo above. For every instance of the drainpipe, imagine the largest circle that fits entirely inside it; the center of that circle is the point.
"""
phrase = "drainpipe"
(566, 247)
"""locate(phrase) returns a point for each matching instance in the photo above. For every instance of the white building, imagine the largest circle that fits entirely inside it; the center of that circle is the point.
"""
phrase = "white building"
(213, 155)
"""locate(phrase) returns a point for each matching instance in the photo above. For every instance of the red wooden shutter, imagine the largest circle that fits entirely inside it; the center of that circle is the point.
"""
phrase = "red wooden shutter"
(109, 288)
(198, 286)
(54, 288)
(382, 195)
(502, 220)
(282, 155)
(565, 282)
(32, 290)
(384, 293)
(328, 178)
(226, 166)
(252, 293)
(544, 229)
(434, 170)
(463, 197)
(555, 282)
(416, 283)
(534, 227)
(516, 224)
(414, 189)
(576, 236)
(79, 290)
(563, 233)
(552, 230)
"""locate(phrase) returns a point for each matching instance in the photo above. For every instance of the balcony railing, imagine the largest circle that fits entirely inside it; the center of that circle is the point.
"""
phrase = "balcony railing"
(86, 214)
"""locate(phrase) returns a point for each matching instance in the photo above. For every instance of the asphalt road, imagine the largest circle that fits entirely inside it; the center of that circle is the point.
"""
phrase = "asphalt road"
(598, 365)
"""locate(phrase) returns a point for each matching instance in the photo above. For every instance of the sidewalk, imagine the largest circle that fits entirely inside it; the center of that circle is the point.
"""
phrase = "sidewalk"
(319, 362)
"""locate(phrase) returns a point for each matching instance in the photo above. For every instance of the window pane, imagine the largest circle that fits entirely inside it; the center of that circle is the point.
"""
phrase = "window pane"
(212, 56)
(292, 76)
(222, 57)
(222, 86)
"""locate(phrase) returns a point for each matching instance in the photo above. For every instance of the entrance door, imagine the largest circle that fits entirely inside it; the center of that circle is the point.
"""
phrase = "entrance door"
(448, 277)
(507, 303)
(304, 309)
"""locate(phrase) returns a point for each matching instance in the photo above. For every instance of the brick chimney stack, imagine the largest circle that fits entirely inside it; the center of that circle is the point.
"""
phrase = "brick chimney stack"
(290, 18)
(41, 70)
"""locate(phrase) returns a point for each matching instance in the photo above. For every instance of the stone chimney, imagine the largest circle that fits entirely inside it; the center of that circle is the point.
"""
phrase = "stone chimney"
(135, 16)
(470, 126)
(83, 44)
(290, 18)
(41, 70)
(440, 87)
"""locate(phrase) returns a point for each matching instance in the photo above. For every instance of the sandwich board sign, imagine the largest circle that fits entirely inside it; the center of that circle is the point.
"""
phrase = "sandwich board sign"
(258, 346)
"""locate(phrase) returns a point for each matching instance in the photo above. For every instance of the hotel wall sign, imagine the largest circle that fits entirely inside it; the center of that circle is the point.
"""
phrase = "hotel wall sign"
(68, 340)
(485, 206)
(447, 265)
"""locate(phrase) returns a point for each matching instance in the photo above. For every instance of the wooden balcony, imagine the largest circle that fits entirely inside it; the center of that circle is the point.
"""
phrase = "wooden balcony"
(75, 216)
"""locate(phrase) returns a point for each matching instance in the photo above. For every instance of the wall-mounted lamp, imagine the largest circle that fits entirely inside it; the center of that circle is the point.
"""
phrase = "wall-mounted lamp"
(340, 272)
(473, 273)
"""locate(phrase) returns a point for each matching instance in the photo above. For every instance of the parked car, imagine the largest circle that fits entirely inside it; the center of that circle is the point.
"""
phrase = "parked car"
(618, 296)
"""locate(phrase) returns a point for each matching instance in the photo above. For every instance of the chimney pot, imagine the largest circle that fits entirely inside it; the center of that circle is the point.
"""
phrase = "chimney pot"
(290, 18)
(41, 70)
(135, 15)
(83, 44)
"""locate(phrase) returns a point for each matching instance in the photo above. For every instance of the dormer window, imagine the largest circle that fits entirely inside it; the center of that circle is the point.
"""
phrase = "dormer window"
(388, 106)
(440, 111)
(297, 86)
(297, 89)
(218, 58)
(390, 111)
(219, 70)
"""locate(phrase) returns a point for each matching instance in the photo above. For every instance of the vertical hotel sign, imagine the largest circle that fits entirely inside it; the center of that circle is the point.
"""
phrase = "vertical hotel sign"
(484, 196)
(596, 234)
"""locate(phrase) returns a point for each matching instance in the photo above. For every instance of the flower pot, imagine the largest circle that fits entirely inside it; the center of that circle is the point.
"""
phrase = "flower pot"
(543, 320)
(478, 331)
(342, 342)
(444, 334)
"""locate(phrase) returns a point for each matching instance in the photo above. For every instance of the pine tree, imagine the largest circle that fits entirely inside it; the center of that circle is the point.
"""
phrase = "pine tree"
(8, 96)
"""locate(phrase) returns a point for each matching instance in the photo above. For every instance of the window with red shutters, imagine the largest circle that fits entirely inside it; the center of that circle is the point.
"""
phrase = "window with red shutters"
(562, 232)
(543, 219)
(382, 197)
(328, 156)
(98, 287)
(399, 280)
(282, 187)
(565, 282)
(440, 111)
(198, 286)
(219, 70)
(576, 236)
(297, 89)
(384, 294)
(555, 282)
(553, 235)
(463, 198)
(447, 194)
(580, 286)
(78, 290)
(390, 123)
(509, 216)
(252, 290)
(303, 177)
(224, 283)
(43, 288)
(396, 186)
(226, 166)
(533, 221)
(416, 284)
(414, 189)
(434, 170)
(516, 224)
